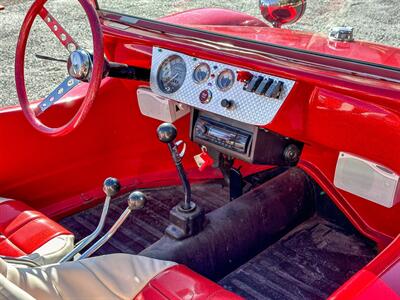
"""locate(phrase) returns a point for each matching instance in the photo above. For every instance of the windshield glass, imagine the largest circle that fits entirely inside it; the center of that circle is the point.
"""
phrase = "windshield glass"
(321, 26)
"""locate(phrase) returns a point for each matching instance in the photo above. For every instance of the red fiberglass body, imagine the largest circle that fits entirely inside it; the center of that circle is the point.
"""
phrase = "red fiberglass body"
(334, 106)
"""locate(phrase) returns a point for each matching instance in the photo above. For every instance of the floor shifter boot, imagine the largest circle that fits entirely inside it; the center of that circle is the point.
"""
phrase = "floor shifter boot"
(185, 223)
(186, 218)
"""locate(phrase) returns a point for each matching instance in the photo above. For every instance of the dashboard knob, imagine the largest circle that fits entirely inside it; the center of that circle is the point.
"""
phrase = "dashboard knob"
(200, 129)
(228, 104)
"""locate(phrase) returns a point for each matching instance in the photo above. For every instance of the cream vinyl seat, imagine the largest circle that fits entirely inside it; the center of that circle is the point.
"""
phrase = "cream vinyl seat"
(114, 276)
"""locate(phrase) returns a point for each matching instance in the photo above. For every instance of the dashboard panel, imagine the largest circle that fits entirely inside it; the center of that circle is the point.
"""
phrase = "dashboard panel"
(236, 93)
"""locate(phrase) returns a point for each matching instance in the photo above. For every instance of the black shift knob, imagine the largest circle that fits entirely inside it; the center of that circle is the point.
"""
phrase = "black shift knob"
(166, 132)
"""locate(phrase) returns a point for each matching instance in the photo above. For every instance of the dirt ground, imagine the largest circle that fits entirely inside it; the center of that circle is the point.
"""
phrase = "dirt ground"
(373, 21)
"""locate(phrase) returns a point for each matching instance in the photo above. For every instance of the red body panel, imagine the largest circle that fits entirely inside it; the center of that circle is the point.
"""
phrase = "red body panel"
(65, 174)
(358, 50)
(23, 230)
(179, 282)
(380, 279)
(213, 16)
(234, 23)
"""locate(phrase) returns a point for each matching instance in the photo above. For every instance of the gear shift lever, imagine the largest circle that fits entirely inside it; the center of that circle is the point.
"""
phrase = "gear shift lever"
(167, 134)
(187, 218)
(136, 201)
(111, 187)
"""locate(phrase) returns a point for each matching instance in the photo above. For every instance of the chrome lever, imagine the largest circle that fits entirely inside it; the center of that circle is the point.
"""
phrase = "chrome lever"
(136, 201)
(111, 187)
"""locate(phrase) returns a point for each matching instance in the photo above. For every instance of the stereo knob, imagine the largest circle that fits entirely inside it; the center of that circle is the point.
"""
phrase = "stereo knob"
(200, 130)
(228, 104)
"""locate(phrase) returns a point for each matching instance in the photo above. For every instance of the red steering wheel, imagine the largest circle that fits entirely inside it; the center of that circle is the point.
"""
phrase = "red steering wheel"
(96, 69)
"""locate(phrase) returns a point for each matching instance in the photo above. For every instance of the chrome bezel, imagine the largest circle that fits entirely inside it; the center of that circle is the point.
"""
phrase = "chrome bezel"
(159, 81)
(208, 75)
(224, 89)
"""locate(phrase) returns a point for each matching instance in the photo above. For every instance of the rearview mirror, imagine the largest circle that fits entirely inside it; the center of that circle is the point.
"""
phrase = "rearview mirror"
(281, 12)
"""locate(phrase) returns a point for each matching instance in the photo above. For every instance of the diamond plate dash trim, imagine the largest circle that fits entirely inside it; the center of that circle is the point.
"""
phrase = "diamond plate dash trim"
(249, 107)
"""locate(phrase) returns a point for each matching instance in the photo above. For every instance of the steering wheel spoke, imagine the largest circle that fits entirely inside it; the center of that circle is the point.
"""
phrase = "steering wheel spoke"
(62, 35)
(68, 84)
(31, 112)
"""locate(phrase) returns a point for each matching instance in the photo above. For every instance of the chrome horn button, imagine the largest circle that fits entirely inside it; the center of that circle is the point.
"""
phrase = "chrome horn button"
(80, 65)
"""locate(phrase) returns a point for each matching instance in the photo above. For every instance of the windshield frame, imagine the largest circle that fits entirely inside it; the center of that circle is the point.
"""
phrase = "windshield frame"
(346, 65)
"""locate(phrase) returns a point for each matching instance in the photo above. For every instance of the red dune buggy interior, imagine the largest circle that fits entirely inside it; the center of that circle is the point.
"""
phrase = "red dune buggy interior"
(283, 157)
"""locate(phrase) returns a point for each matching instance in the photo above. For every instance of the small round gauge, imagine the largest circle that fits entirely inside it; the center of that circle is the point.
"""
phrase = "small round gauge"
(225, 80)
(201, 73)
(171, 74)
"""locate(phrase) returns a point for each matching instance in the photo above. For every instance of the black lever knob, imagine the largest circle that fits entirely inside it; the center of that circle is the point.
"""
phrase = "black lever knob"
(167, 133)
(111, 186)
(227, 104)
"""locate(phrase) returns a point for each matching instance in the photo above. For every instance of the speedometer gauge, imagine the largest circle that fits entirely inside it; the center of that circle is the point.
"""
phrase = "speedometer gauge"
(171, 74)
(225, 80)
(201, 73)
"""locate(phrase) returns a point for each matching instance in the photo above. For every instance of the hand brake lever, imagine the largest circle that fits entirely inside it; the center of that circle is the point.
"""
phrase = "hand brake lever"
(136, 201)
(111, 187)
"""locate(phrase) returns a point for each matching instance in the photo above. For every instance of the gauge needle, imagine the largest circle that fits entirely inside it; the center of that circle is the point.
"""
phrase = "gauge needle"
(172, 78)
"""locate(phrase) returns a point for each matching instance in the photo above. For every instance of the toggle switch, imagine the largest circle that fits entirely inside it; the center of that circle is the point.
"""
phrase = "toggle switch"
(275, 90)
(253, 84)
(227, 104)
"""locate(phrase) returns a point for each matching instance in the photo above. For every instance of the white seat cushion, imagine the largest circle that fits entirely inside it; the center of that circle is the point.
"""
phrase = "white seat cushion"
(114, 276)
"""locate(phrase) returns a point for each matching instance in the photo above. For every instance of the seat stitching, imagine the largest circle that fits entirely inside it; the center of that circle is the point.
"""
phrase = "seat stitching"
(104, 284)
(23, 224)
(16, 246)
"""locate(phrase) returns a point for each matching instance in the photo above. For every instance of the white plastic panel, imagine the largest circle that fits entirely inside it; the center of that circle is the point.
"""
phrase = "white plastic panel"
(249, 107)
(160, 108)
(367, 179)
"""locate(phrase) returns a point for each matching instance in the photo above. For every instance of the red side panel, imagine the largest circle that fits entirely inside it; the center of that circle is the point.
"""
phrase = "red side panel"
(23, 230)
(380, 279)
(213, 16)
(179, 282)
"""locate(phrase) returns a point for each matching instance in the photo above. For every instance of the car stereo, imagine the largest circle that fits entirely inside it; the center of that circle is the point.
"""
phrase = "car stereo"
(222, 134)
(244, 141)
